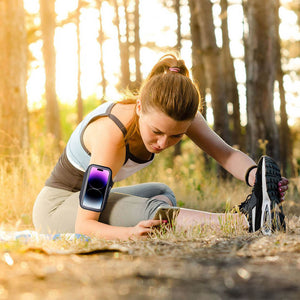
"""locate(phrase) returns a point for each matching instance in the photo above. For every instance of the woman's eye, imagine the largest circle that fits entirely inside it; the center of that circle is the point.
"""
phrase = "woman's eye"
(177, 136)
(157, 132)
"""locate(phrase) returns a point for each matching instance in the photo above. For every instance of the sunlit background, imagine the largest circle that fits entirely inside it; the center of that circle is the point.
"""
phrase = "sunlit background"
(162, 33)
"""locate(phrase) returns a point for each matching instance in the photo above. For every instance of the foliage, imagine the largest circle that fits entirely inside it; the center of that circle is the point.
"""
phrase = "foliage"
(68, 117)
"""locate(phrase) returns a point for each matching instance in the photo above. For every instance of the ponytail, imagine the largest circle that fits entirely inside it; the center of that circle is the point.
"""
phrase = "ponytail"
(168, 63)
(168, 88)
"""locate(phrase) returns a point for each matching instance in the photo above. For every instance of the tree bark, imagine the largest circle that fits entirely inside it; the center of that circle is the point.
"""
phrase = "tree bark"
(47, 13)
(260, 69)
(123, 46)
(14, 137)
(213, 67)
(101, 41)
(79, 97)
(197, 60)
(198, 67)
(177, 147)
(286, 147)
(230, 80)
(137, 46)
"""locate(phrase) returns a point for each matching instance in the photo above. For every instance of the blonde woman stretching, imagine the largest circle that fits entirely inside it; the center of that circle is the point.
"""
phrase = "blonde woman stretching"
(125, 136)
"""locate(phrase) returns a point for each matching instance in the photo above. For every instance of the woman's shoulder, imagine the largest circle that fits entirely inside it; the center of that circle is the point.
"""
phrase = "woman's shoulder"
(105, 128)
(102, 128)
(124, 112)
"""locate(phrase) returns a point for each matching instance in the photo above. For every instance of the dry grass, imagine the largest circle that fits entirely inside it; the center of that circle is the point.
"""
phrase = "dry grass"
(200, 263)
(21, 182)
(195, 188)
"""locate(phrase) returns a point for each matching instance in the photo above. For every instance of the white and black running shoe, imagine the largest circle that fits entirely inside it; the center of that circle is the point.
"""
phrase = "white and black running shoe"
(262, 207)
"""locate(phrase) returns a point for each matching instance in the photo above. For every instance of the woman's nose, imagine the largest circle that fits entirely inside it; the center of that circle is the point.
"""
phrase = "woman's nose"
(163, 142)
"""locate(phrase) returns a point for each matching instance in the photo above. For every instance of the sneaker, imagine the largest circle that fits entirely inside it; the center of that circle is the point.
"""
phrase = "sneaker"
(262, 207)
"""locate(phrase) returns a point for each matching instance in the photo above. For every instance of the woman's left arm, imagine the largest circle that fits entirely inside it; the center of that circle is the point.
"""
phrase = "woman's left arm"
(234, 161)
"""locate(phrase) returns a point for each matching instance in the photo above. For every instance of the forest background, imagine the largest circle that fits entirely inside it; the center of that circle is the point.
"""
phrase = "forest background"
(62, 58)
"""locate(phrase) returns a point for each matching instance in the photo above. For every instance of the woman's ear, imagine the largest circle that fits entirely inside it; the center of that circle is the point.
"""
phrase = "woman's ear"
(138, 107)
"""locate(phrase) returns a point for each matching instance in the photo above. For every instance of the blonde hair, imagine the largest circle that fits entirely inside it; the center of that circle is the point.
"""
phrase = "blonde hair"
(169, 89)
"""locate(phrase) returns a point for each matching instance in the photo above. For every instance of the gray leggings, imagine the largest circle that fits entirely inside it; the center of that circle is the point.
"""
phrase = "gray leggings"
(55, 210)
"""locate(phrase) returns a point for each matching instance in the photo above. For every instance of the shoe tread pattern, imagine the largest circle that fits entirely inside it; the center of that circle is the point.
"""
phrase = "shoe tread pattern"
(273, 176)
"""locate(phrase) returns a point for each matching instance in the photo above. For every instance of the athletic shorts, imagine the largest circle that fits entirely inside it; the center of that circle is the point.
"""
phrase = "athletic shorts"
(55, 210)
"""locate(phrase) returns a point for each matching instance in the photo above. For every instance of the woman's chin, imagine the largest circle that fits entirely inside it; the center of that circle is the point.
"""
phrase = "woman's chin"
(155, 150)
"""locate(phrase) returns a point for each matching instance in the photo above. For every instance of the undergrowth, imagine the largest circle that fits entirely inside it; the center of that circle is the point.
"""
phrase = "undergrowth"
(196, 185)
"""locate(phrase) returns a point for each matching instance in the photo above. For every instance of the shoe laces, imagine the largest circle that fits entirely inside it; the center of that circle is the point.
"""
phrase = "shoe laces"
(246, 206)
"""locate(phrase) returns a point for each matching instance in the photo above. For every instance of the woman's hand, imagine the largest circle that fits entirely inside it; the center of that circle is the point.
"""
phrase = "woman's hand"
(283, 187)
(144, 228)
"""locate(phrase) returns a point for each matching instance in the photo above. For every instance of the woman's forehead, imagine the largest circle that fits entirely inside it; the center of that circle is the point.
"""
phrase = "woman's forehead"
(160, 121)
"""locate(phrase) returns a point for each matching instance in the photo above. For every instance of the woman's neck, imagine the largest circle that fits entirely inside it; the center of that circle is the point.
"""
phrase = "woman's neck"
(137, 147)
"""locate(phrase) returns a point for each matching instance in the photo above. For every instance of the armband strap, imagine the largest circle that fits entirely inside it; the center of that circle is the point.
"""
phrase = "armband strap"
(247, 174)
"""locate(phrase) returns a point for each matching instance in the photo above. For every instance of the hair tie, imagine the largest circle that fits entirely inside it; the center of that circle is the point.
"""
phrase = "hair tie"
(175, 69)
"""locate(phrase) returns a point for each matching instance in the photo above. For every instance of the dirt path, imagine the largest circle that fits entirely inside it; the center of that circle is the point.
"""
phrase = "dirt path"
(247, 267)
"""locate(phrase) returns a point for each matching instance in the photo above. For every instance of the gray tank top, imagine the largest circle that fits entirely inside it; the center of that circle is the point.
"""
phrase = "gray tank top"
(69, 170)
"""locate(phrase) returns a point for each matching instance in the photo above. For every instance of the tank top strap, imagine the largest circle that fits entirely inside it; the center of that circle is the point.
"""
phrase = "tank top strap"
(122, 128)
(116, 120)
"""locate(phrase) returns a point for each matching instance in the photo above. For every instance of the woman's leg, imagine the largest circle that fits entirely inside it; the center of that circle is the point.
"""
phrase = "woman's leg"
(129, 205)
(186, 217)
(148, 190)
(55, 210)
(190, 217)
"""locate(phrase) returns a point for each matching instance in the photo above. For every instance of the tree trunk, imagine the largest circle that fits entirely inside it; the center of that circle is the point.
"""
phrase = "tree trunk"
(260, 69)
(177, 147)
(230, 80)
(197, 60)
(178, 30)
(137, 46)
(286, 152)
(213, 67)
(124, 47)
(198, 70)
(101, 41)
(47, 13)
(79, 97)
(13, 76)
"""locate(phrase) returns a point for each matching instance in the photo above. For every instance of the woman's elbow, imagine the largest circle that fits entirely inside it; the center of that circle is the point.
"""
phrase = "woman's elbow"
(80, 227)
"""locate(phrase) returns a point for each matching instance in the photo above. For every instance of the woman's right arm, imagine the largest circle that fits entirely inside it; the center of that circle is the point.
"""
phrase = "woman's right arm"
(105, 142)
(87, 223)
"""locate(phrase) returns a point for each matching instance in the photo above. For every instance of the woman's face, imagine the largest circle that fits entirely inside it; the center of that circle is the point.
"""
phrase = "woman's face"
(159, 131)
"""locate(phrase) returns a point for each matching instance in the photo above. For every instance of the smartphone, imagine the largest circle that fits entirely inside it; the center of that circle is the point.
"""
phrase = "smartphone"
(167, 213)
(96, 186)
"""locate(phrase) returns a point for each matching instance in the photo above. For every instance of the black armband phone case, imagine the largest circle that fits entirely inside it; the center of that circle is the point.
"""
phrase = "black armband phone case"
(96, 185)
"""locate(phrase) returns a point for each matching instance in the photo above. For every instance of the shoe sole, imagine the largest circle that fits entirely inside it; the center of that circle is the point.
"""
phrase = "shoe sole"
(270, 204)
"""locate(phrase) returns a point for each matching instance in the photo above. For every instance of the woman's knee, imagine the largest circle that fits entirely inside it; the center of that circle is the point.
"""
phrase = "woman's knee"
(167, 193)
(148, 190)
(163, 198)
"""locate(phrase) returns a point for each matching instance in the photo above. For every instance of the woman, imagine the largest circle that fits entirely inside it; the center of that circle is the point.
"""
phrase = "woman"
(125, 136)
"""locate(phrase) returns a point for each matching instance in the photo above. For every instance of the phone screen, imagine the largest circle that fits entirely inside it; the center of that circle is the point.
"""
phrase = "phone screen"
(96, 188)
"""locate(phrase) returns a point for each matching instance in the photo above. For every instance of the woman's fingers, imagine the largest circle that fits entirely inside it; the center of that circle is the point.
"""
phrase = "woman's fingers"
(150, 223)
(283, 187)
(146, 227)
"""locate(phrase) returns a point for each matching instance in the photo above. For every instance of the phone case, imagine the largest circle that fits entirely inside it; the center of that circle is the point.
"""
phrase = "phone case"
(104, 192)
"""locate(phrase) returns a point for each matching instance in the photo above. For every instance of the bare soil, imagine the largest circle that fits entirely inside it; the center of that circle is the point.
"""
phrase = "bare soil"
(249, 266)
